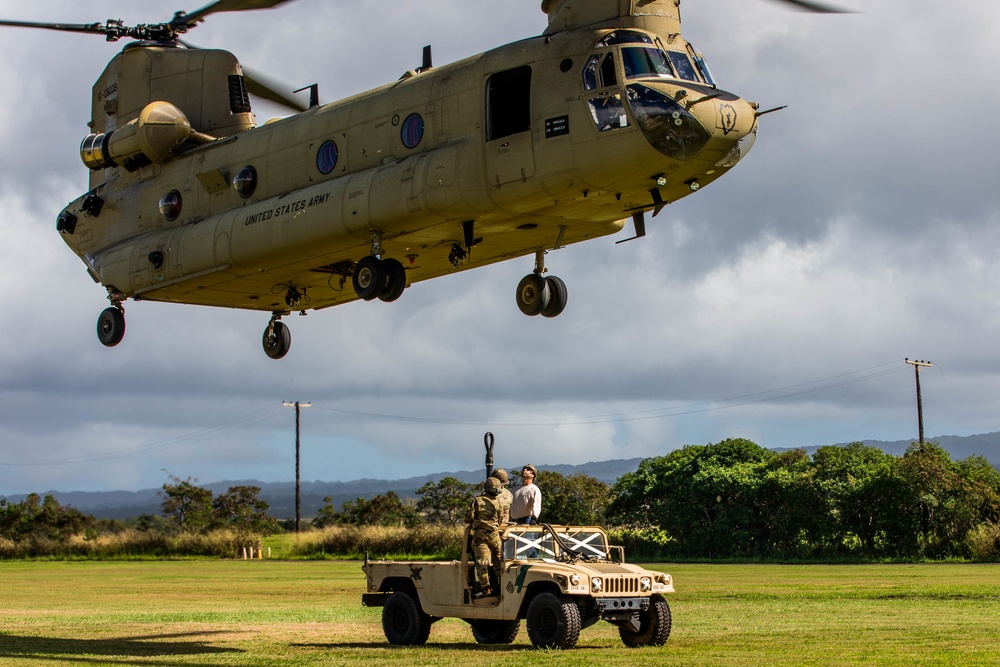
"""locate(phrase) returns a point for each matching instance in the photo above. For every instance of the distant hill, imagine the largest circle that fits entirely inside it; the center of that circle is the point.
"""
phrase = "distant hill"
(280, 496)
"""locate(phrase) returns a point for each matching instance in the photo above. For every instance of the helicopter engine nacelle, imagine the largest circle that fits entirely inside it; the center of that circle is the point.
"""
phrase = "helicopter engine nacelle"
(159, 130)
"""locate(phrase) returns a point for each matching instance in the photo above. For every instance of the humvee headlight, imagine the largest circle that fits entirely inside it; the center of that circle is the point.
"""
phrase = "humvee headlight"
(645, 583)
(596, 584)
(574, 579)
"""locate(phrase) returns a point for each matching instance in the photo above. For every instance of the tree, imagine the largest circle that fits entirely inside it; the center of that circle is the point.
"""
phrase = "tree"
(865, 501)
(445, 501)
(381, 510)
(187, 506)
(242, 509)
(36, 517)
(327, 515)
(577, 500)
(948, 499)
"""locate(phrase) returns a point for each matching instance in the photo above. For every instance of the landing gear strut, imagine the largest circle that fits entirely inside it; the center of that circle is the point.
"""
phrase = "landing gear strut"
(541, 295)
(277, 338)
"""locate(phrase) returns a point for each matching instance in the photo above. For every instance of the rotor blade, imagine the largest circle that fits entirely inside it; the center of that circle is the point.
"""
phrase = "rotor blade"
(224, 6)
(97, 28)
(264, 88)
(815, 7)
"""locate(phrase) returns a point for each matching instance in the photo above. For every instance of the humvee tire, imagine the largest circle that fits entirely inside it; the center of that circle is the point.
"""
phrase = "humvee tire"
(403, 621)
(654, 625)
(553, 622)
(487, 631)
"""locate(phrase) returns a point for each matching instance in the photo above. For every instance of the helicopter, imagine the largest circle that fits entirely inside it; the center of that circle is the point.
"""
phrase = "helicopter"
(608, 115)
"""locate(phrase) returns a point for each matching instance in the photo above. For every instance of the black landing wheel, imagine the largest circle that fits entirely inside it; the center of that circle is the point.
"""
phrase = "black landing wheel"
(558, 296)
(532, 294)
(277, 340)
(111, 326)
(369, 277)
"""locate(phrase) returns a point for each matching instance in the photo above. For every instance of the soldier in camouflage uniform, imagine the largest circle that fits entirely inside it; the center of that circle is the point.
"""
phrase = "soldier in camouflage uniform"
(505, 497)
(484, 515)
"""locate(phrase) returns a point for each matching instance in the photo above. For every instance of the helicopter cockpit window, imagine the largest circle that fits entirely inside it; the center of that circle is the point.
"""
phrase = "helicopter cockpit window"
(682, 64)
(699, 62)
(646, 62)
(609, 75)
(625, 37)
(608, 112)
(600, 72)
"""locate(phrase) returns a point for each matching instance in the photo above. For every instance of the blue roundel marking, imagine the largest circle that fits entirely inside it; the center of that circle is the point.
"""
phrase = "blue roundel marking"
(412, 131)
(326, 157)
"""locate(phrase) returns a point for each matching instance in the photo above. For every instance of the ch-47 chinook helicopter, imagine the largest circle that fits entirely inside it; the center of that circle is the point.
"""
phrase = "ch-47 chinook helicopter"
(607, 115)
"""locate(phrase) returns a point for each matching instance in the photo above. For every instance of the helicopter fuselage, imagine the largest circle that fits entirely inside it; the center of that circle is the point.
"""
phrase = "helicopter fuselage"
(524, 149)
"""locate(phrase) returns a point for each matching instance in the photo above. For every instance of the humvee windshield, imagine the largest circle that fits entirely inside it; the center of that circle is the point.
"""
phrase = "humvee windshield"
(538, 543)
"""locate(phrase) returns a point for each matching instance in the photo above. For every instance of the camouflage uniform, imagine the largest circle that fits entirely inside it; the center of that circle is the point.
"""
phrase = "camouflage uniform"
(505, 497)
(484, 515)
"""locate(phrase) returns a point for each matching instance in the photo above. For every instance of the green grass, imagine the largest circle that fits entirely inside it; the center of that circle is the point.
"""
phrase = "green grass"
(205, 613)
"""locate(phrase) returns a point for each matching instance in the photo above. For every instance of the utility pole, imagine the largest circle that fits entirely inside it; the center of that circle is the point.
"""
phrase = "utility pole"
(917, 365)
(298, 489)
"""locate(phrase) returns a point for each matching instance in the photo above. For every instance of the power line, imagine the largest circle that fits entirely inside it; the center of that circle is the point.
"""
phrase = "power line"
(266, 414)
(791, 391)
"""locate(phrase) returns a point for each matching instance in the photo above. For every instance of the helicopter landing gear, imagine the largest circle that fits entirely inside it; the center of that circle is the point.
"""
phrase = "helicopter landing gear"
(383, 279)
(277, 338)
(111, 325)
(541, 295)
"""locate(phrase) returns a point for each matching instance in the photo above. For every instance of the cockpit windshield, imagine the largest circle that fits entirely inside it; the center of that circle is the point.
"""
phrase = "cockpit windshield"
(644, 57)
(645, 62)
(685, 69)
(624, 37)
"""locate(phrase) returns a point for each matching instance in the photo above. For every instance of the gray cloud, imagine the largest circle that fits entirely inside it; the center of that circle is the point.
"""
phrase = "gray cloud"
(862, 228)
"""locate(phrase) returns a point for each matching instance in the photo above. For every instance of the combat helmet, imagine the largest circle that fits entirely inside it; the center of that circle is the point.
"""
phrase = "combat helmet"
(491, 486)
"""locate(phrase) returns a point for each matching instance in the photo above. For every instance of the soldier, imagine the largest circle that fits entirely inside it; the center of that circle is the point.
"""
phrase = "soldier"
(484, 515)
(505, 497)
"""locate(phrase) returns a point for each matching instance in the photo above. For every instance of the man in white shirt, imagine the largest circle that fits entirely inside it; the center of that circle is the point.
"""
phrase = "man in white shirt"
(526, 504)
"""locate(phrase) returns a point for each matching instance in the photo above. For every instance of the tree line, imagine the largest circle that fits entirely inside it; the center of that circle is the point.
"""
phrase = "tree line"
(733, 499)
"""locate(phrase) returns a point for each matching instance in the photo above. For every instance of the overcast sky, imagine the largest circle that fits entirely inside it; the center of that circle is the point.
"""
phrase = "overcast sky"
(778, 304)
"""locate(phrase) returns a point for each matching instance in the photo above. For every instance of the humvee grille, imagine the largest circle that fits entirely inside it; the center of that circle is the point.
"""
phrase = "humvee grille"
(621, 584)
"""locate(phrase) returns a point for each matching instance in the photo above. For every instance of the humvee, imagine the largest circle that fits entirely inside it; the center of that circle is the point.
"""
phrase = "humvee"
(560, 579)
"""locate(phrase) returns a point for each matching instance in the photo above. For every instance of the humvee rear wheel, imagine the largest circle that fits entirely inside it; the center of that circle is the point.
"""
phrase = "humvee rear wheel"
(553, 622)
(403, 621)
(487, 631)
(654, 625)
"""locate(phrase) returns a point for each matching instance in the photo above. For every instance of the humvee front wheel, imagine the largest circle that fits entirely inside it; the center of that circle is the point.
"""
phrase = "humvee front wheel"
(488, 631)
(403, 621)
(654, 625)
(553, 622)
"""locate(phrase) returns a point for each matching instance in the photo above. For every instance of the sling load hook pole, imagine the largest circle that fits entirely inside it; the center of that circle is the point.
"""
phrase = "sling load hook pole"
(488, 441)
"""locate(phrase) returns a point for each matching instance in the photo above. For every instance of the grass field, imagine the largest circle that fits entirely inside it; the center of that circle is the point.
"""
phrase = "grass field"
(309, 613)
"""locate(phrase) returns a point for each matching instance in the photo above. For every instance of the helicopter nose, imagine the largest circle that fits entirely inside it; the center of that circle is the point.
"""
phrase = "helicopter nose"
(691, 123)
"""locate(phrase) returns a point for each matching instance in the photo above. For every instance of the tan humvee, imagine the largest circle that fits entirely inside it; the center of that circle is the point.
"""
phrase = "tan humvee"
(559, 578)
